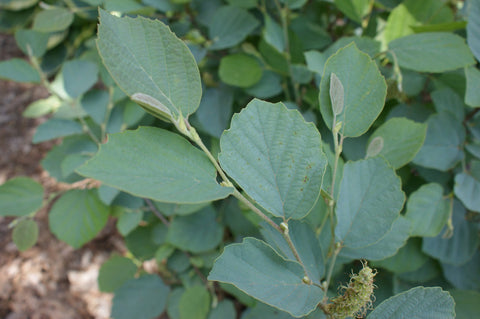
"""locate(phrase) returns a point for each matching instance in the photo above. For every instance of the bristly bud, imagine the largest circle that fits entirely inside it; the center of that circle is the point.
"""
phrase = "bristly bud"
(357, 296)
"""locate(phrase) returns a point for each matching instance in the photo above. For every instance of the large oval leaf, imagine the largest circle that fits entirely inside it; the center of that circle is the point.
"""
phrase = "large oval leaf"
(419, 303)
(144, 56)
(158, 164)
(78, 216)
(369, 201)
(20, 196)
(432, 52)
(255, 268)
(402, 139)
(365, 90)
(276, 157)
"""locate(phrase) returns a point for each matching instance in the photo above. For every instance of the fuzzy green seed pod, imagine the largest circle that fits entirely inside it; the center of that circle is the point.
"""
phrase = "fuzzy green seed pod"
(357, 296)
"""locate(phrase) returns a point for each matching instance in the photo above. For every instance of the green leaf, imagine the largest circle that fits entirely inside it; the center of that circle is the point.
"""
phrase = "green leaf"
(255, 268)
(115, 272)
(411, 13)
(385, 247)
(78, 77)
(157, 164)
(431, 52)
(447, 100)
(16, 5)
(263, 311)
(53, 20)
(408, 258)
(224, 310)
(294, 4)
(306, 242)
(369, 201)
(194, 303)
(76, 144)
(165, 70)
(460, 247)
(365, 90)
(240, 70)
(354, 9)
(20, 196)
(169, 209)
(173, 300)
(427, 210)
(365, 44)
(467, 189)
(315, 61)
(472, 94)
(273, 34)
(442, 147)
(55, 128)
(197, 233)
(25, 234)
(268, 86)
(402, 139)
(140, 242)
(473, 27)
(440, 27)
(215, 110)
(275, 157)
(95, 103)
(247, 4)
(18, 70)
(419, 302)
(42, 107)
(465, 276)
(32, 42)
(77, 217)
(140, 298)
(466, 303)
(128, 221)
(230, 25)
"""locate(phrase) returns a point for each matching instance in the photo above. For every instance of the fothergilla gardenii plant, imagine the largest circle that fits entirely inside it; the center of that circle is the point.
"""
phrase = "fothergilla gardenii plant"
(369, 211)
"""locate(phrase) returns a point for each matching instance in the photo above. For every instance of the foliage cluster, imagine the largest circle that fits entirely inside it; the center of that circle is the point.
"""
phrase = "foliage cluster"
(362, 143)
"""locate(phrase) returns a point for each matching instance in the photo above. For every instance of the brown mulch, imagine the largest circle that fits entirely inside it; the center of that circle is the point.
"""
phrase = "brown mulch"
(50, 280)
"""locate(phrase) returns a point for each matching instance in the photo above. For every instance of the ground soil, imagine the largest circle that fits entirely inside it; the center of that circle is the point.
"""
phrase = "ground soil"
(51, 280)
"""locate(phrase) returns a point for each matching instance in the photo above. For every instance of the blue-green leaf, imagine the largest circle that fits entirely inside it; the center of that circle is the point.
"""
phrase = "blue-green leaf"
(401, 140)
(473, 27)
(140, 298)
(115, 272)
(365, 90)
(18, 70)
(157, 164)
(418, 303)
(230, 26)
(442, 147)
(20, 196)
(369, 201)
(77, 217)
(255, 268)
(198, 232)
(144, 56)
(427, 210)
(460, 247)
(432, 52)
(467, 189)
(276, 157)
(25, 234)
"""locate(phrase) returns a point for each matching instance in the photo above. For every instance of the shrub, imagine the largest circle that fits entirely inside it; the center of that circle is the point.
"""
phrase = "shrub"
(372, 155)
